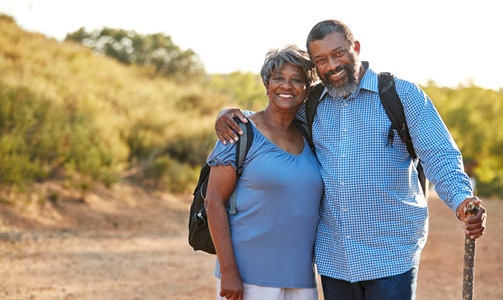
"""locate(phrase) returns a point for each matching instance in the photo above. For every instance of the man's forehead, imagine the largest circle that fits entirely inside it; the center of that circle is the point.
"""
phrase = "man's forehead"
(332, 41)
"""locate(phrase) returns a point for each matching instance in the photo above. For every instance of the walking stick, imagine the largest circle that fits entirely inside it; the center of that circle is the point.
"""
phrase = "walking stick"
(468, 270)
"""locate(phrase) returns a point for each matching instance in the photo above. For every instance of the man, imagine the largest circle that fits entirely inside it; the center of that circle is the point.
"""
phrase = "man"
(373, 220)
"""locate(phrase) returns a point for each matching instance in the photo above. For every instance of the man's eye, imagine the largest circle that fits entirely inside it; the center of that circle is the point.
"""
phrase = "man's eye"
(340, 53)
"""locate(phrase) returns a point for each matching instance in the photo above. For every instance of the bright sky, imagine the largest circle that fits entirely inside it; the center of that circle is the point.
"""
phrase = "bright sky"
(451, 42)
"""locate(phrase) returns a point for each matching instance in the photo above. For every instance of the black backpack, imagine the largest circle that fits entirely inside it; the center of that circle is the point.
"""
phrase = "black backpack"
(199, 233)
(394, 109)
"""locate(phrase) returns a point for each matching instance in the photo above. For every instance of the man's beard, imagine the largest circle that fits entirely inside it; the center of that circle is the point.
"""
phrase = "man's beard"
(344, 89)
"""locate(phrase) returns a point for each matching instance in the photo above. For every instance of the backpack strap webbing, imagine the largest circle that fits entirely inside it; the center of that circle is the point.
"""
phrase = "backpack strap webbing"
(242, 147)
(305, 131)
(312, 104)
(394, 109)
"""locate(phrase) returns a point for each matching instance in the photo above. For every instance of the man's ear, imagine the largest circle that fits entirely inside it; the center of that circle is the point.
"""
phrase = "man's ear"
(356, 47)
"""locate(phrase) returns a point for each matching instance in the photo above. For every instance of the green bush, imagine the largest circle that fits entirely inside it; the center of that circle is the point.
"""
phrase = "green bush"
(167, 174)
(16, 166)
(192, 150)
(38, 136)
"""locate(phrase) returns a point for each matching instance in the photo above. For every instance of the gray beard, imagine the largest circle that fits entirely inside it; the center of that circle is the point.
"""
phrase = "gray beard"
(341, 92)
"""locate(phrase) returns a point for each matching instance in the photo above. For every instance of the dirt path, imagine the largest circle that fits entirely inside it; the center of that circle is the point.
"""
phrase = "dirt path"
(153, 261)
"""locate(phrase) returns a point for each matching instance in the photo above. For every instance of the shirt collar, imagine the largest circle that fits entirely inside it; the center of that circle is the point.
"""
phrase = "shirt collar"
(369, 80)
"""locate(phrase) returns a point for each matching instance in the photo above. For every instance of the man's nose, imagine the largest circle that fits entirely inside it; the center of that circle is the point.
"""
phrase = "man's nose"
(333, 63)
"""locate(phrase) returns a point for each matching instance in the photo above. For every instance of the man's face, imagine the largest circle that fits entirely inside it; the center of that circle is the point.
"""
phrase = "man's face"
(336, 62)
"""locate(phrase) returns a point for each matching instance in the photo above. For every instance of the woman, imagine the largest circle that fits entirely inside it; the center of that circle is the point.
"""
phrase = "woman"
(265, 250)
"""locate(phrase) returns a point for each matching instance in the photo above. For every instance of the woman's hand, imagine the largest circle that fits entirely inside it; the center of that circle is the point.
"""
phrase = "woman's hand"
(231, 286)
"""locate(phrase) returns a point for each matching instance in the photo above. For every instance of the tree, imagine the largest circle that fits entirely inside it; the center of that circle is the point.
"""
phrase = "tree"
(154, 51)
(247, 88)
(473, 117)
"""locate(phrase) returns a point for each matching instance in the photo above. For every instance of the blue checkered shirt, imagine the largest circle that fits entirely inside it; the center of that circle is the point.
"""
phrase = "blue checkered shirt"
(374, 217)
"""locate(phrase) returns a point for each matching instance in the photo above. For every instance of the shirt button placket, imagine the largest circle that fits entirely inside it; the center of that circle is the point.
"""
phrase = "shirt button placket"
(343, 165)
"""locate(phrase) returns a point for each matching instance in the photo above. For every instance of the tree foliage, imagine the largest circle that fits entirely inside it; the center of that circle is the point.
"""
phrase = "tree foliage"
(154, 51)
(247, 88)
(69, 114)
(473, 115)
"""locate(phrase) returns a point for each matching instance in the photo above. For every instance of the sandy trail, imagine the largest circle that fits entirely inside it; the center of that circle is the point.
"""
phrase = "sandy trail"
(151, 260)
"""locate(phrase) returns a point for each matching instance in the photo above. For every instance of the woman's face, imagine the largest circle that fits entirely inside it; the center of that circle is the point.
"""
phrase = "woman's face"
(287, 87)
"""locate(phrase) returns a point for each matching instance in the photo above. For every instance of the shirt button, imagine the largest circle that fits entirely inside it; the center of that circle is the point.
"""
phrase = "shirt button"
(344, 155)
(348, 236)
(342, 183)
(345, 210)
(345, 130)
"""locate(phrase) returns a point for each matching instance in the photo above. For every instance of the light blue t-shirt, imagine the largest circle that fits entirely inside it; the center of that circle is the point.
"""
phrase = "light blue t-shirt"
(278, 200)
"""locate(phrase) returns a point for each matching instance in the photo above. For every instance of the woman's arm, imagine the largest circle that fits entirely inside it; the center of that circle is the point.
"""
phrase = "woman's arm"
(221, 184)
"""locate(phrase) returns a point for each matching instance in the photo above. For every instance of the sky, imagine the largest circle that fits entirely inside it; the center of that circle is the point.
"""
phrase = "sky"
(450, 42)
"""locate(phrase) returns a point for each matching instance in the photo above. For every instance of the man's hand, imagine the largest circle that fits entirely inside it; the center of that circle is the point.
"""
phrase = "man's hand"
(225, 126)
(476, 224)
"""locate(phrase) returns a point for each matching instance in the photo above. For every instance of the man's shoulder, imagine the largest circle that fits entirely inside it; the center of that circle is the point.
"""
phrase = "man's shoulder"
(406, 88)
(370, 80)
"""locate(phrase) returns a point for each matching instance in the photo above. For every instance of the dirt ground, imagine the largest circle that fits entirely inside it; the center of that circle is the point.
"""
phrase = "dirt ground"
(104, 246)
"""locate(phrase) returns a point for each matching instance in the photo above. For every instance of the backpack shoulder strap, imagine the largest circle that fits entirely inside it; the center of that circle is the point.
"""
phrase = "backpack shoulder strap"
(394, 109)
(242, 146)
(305, 131)
(312, 104)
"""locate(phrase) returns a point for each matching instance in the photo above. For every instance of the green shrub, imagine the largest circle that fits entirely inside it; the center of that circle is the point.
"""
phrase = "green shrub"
(167, 174)
(192, 150)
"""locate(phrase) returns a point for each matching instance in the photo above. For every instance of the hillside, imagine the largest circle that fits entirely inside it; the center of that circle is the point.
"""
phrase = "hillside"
(80, 118)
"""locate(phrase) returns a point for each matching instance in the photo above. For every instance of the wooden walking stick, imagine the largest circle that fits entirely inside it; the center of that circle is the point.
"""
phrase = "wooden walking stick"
(468, 270)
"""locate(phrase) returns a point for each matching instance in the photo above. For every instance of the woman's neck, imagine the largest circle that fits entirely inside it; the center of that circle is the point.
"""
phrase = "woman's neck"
(277, 119)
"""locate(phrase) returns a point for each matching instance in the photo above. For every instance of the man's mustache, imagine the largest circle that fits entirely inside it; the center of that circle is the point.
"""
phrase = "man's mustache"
(337, 70)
